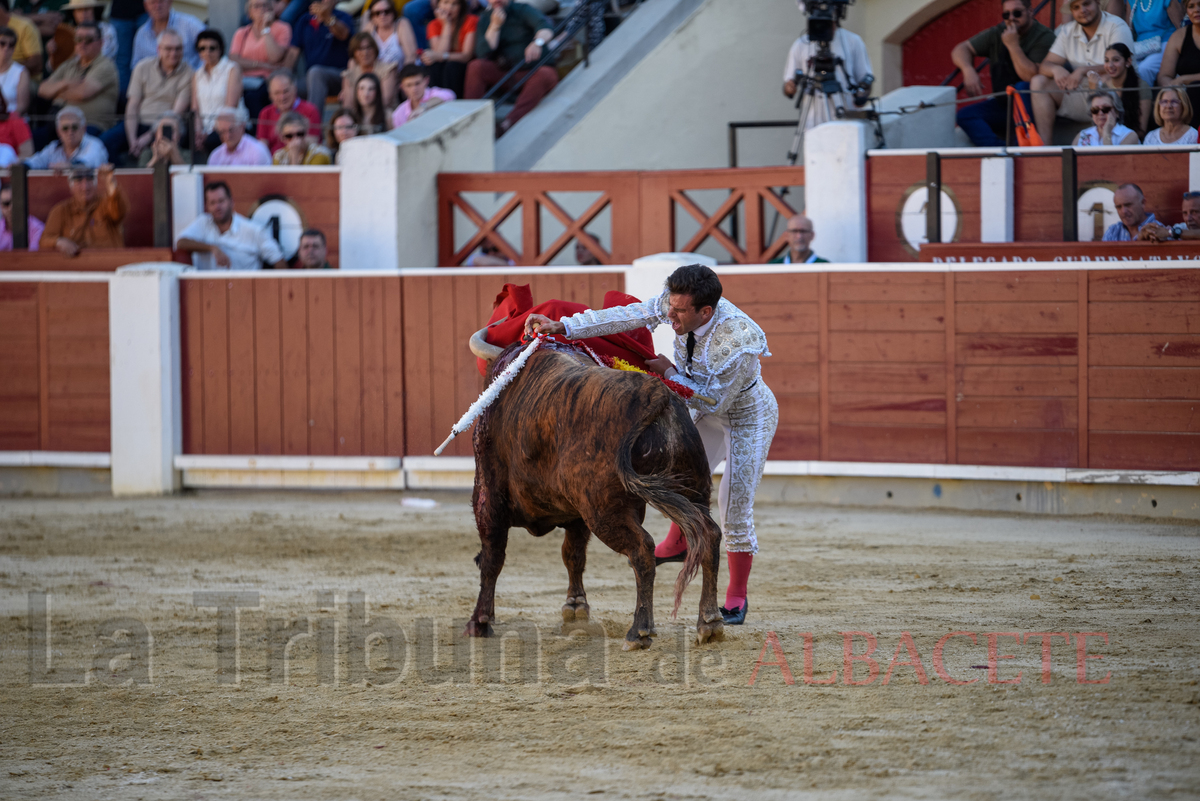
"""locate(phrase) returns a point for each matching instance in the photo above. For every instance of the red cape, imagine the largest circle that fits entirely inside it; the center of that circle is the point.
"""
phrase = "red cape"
(516, 303)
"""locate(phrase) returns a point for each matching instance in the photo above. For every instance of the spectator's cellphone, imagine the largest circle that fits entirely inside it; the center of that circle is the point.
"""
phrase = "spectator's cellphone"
(168, 131)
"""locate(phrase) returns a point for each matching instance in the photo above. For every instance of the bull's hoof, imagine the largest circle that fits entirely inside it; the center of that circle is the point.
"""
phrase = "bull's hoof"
(710, 632)
(639, 644)
(576, 609)
(478, 627)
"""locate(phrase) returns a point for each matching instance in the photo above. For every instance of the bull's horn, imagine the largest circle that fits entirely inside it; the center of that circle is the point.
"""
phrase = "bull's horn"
(482, 348)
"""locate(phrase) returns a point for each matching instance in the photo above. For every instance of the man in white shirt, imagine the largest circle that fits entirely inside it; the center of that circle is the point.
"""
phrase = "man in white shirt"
(1060, 88)
(221, 239)
(856, 70)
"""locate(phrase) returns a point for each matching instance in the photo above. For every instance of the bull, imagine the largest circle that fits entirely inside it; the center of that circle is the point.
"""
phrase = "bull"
(574, 445)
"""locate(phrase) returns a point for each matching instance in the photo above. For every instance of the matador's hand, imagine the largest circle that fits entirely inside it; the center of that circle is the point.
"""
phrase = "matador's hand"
(541, 324)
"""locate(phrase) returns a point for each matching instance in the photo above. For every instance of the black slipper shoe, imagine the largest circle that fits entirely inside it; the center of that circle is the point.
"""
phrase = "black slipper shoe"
(679, 557)
(735, 617)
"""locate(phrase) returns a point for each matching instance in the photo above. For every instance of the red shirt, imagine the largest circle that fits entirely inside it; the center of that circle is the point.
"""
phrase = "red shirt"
(469, 25)
(267, 118)
(14, 132)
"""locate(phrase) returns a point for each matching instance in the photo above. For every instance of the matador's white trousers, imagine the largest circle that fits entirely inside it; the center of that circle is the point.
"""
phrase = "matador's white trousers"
(742, 438)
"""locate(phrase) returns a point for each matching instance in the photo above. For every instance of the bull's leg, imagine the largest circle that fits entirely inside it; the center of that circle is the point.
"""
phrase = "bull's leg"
(626, 536)
(710, 625)
(574, 554)
(493, 541)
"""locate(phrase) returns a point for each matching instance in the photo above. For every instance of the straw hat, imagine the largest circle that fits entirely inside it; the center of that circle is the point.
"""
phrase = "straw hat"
(76, 4)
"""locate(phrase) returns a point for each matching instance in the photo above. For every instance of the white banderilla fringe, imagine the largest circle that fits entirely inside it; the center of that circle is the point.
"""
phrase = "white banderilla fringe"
(491, 393)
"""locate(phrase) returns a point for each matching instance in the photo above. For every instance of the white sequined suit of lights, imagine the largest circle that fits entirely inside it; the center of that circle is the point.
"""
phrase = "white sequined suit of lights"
(724, 367)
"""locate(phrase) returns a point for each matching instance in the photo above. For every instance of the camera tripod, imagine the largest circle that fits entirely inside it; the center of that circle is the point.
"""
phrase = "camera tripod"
(818, 95)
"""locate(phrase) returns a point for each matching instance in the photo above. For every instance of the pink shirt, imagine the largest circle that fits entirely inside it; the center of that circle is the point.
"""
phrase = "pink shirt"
(35, 234)
(249, 153)
(246, 46)
(402, 112)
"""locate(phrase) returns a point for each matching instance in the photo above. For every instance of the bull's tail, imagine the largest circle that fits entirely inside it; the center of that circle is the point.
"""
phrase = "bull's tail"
(664, 493)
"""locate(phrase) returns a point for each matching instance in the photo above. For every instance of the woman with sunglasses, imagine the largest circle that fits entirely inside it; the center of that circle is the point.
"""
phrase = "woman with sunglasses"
(368, 106)
(1181, 55)
(1121, 75)
(451, 45)
(216, 85)
(393, 35)
(1173, 113)
(298, 149)
(14, 78)
(364, 60)
(1107, 129)
(342, 126)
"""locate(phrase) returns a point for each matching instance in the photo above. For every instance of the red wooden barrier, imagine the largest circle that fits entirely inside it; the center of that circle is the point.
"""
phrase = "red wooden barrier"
(54, 358)
(976, 252)
(88, 261)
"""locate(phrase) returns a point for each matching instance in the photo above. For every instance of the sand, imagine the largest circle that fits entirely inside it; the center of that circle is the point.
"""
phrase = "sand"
(176, 704)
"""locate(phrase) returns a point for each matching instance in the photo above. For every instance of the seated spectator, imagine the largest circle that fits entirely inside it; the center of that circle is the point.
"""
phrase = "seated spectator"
(1152, 23)
(238, 148)
(800, 235)
(282, 87)
(1120, 76)
(158, 85)
(1173, 113)
(342, 126)
(1014, 49)
(322, 35)
(74, 147)
(1107, 113)
(217, 84)
(489, 255)
(165, 146)
(298, 148)
(511, 33)
(1131, 208)
(368, 106)
(164, 18)
(91, 11)
(1181, 55)
(222, 239)
(366, 61)
(14, 132)
(451, 45)
(14, 78)
(394, 36)
(313, 253)
(6, 227)
(585, 257)
(93, 217)
(26, 46)
(1188, 229)
(419, 97)
(87, 80)
(259, 49)
(1079, 47)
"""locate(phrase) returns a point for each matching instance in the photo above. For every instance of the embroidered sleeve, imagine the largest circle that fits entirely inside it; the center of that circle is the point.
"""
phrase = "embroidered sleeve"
(733, 357)
(599, 322)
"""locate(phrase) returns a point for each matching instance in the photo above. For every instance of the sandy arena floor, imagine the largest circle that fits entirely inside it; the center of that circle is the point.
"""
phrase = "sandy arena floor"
(171, 709)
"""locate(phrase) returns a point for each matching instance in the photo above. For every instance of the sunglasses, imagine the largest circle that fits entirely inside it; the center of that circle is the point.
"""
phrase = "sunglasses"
(4, 204)
(208, 49)
(383, 12)
(287, 137)
(1014, 15)
(1102, 110)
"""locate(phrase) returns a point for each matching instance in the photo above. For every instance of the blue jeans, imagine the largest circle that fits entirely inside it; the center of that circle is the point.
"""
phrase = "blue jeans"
(986, 121)
(294, 11)
(419, 13)
(125, 29)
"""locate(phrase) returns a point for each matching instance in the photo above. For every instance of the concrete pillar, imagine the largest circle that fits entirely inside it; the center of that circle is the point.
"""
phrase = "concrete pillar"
(835, 189)
(187, 200)
(144, 358)
(389, 198)
(1194, 172)
(996, 200)
(645, 279)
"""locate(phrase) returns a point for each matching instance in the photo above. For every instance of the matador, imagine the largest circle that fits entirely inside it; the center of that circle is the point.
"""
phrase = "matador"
(717, 352)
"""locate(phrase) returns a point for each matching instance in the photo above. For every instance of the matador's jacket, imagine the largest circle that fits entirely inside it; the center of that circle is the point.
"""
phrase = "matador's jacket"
(724, 366)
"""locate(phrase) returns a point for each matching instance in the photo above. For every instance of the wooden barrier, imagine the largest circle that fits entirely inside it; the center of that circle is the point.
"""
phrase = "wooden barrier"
(54, 358)
(643, 212)
(1054, 368)
(89, 260)
(978, 252)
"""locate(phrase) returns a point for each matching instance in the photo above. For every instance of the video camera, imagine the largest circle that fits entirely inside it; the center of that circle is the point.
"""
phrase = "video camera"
(822, 14)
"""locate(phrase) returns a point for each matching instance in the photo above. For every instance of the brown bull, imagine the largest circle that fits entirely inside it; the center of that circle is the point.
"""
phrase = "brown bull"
(570, 444)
